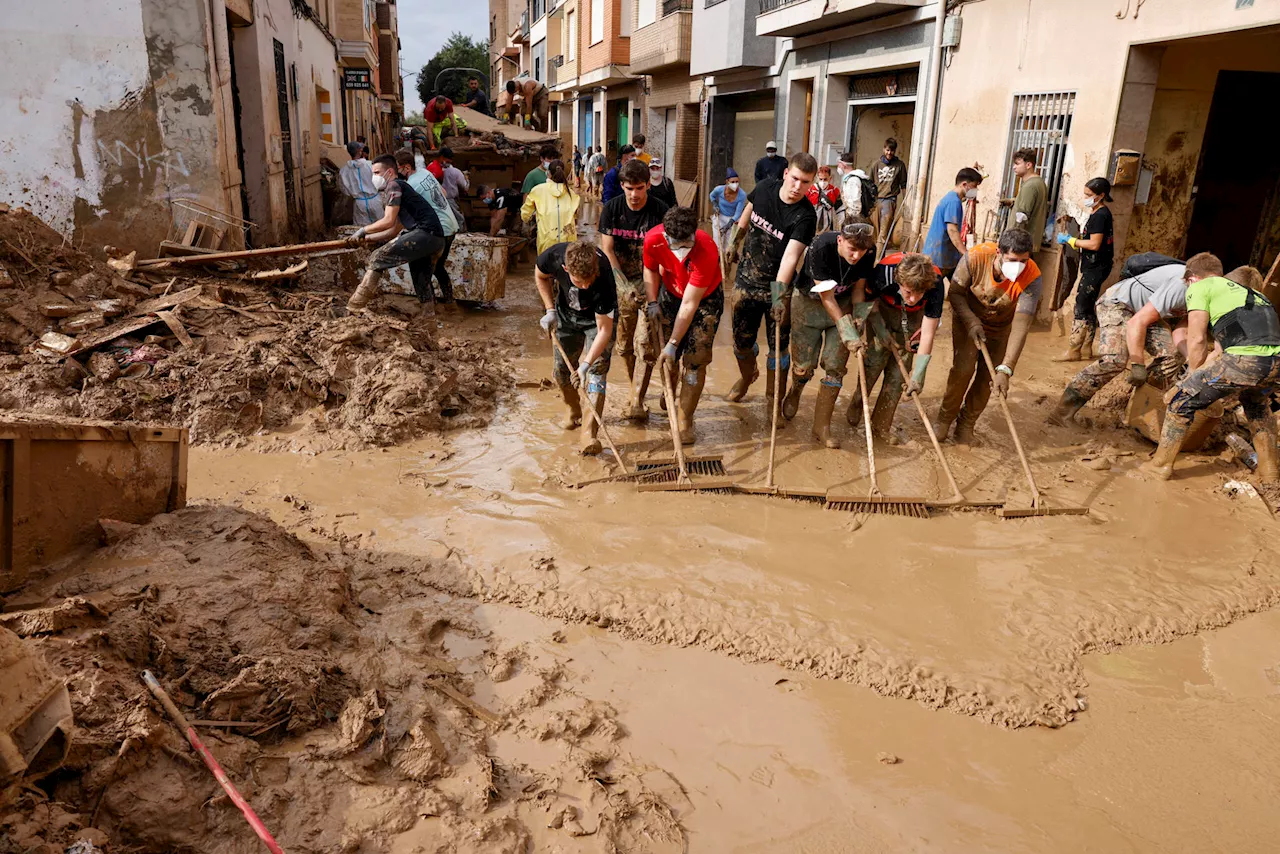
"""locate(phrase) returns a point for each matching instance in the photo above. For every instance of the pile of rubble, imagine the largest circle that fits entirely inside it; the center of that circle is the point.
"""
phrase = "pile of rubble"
(228, 357)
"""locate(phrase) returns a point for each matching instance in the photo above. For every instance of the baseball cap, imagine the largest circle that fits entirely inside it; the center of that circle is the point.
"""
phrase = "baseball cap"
(731, 173)
(771, 146)
(655, 163)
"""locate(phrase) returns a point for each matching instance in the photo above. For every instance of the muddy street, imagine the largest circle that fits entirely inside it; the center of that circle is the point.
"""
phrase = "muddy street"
(812, 677)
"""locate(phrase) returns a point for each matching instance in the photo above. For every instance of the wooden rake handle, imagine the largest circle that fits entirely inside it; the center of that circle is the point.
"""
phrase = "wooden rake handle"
(866, 422)
(669, 396)
(777, 397)
(591, 409)
(933, 437)
(1013, 431)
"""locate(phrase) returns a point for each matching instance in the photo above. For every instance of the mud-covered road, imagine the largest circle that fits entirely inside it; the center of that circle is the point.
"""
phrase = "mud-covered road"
(1105, 683)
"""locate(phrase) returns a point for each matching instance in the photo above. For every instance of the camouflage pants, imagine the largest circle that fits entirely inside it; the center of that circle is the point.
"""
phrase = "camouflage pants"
(1114, 349)
(1254, 378)
(750, 308)
(884, 321)
(814, 339)
(576, 337)
(632, 322)
(695, 348)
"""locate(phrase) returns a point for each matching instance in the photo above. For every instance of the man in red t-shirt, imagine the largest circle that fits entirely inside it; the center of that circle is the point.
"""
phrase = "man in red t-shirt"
(683, 284)
(439, 115)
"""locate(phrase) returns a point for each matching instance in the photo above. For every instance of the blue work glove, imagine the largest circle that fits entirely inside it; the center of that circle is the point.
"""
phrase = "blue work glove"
(1063, 239)
(548, 321)
(669, 353)
(651, 311)
(918, 369)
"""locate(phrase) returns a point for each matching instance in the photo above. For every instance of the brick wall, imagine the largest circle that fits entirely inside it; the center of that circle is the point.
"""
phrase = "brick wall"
(673, 86)
(613, 49)
(688, 143)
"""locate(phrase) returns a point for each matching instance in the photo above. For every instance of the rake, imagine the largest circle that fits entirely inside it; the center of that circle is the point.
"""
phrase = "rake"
(875, 501)
(588, 405)
(1037, 507)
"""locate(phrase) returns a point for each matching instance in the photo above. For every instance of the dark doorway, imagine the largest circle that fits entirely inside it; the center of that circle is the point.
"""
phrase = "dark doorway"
(286, 135)
(1235, 196)
(236, 110)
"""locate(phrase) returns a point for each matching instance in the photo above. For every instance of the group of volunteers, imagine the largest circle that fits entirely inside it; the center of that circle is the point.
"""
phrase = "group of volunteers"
(653, 290)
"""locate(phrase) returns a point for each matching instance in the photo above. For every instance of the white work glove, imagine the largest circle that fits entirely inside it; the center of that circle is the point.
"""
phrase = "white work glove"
(358, 236)
(579, 379)
(548, 321)
(669, 353)
(1020, 217)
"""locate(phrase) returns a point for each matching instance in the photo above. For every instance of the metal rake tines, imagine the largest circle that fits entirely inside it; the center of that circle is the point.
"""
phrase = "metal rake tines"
(911, 509)
(709, 467)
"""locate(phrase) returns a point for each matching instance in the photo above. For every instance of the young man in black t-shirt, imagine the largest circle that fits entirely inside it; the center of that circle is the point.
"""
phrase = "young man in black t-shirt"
(414, 232)
(772, 234)
(575, 281)
(833, 278)
(624, 221)
(908, 294)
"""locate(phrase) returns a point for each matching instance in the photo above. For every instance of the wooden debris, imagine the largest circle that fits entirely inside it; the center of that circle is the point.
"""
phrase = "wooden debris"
(269, 252)
(466, 702)
(176, 327)
(291, 272)
(83, 322)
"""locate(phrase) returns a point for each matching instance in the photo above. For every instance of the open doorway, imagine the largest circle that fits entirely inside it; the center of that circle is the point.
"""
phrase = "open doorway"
(1234, 202)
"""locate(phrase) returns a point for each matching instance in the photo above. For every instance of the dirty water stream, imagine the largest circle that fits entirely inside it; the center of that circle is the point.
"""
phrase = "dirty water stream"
(776, 658)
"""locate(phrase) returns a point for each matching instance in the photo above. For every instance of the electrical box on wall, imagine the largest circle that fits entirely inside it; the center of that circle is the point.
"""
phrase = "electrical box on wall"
(951, 31)
(1125, 165)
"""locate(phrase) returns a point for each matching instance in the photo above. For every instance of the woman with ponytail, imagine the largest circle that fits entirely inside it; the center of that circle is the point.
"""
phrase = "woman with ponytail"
(556, 207)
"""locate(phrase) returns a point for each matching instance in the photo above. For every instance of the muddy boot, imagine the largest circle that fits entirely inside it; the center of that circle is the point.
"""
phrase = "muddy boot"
(942, 424)
(1161, 464)
(1086, 347)
(854, 413)
(791, 403)
(1079, 330)
(1071, 403)
(636, 410)
(1264, 445)
(964, 430)
(590, 444)
(365, 293)
(882, 422)
(690, 394)
(748, 373)
(822, 410)
(573, 405)
(630, 362)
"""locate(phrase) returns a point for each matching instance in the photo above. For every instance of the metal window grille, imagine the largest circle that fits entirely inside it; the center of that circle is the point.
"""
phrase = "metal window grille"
(770, 5)
(894, 83)
(1041, 122)
(670, 7)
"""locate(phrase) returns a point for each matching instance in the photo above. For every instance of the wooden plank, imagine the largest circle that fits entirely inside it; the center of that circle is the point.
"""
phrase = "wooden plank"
(269, 252)
(141, 318)
(192, 234)
(168, 300)
(176, 327)
(466, 702)
(41, 431)
(169, 249)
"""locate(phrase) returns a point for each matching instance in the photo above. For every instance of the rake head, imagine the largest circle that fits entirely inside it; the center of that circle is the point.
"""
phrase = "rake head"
(707, 465)
(913, 508)
(675, 484)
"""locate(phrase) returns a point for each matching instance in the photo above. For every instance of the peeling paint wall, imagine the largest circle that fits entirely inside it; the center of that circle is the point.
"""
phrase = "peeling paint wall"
(108, 118)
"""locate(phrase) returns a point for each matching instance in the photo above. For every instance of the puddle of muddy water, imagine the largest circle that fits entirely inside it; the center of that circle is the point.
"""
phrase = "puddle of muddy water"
(964, 612)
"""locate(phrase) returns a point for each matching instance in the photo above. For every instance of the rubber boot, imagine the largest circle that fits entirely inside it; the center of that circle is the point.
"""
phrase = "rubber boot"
(1086, 347)
(690, 394)
(1071, 403)
(1264, 445)
(854, 413)
(822, 409)
(748, 373)
(964, 429)
(366, 291)
(942, 424)
(590, 444)
(791, 403)
(630, 362)
(636, 410)
(1079, 329)
(1161, 464)
(882, 421)
(573, 406)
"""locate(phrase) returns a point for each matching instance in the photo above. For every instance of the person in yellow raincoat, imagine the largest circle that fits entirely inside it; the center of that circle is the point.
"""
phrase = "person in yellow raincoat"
(555, 206)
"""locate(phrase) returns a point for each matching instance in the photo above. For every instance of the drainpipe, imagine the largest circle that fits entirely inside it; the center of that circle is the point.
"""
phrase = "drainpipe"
(931, 117)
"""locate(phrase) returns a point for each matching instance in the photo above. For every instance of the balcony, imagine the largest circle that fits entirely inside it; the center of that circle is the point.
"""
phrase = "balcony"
(725, 40)
(386, 18)
(801, 17)
(666, 42)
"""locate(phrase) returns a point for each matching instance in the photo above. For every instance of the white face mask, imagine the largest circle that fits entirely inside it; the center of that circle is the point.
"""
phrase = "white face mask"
(546, 166)
(379, 182)
(1013, 269)
(823, 183)
(733, 185)
(655, 178)
(1089, 202)
(682, 252)
(971, 194)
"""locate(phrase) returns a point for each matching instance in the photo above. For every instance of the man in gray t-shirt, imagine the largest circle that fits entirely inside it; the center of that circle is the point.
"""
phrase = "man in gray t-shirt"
(1143, 313)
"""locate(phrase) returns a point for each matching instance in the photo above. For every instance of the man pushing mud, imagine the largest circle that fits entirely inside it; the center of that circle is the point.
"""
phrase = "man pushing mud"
(777, 226)
(578, 292)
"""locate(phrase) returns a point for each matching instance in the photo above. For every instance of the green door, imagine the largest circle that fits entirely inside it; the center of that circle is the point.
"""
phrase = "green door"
(623, 137)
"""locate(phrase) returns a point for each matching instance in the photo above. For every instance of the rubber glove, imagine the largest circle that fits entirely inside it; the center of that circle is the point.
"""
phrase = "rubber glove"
(358, 236)
(1063, 239)
(651, 311)
(778, 294)
(1000, 384)
(734, 252)
(977, 335)
(849, 334)
(1138, 375)
(669, 353)
(548, 321)
(919, 367)
(579, 379)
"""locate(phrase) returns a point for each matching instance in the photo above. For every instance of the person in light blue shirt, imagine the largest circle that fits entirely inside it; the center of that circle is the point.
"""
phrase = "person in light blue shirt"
(426, 185)
(943, 243)
(728, 202)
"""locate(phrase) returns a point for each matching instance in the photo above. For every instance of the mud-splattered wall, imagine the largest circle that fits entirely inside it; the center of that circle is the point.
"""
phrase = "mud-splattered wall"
(1184, 94)
(109, 116)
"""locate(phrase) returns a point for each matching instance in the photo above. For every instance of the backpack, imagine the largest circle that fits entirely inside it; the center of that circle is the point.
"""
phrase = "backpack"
(869, 193)
(1136, 265)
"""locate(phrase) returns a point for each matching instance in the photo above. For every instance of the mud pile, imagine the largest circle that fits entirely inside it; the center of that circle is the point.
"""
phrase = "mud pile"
(227, 358)
(354, 727)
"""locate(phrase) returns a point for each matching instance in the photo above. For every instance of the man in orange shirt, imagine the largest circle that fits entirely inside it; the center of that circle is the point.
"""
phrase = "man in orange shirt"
(994, 293)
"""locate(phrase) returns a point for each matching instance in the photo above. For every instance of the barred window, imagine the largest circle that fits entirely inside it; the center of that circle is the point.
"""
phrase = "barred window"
(1041, 122)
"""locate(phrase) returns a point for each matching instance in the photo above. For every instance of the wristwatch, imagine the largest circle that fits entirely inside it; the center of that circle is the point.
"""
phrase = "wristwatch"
(1004, 369)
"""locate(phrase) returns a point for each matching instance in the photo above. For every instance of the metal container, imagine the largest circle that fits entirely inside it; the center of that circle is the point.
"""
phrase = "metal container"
(478, 267)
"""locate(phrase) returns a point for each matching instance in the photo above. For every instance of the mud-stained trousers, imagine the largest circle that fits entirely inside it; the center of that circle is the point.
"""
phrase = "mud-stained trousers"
(814, 340)
(1254, 378)
(750, 308)
(632, 323)
(901, 326)
(417, 248)
(695, 349)
(576, 338)
(442, 274)
(1113, 358)
(969, 382)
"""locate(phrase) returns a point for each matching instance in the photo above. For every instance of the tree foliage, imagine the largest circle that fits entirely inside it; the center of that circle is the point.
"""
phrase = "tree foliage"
(458, 52)
(415, 119)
